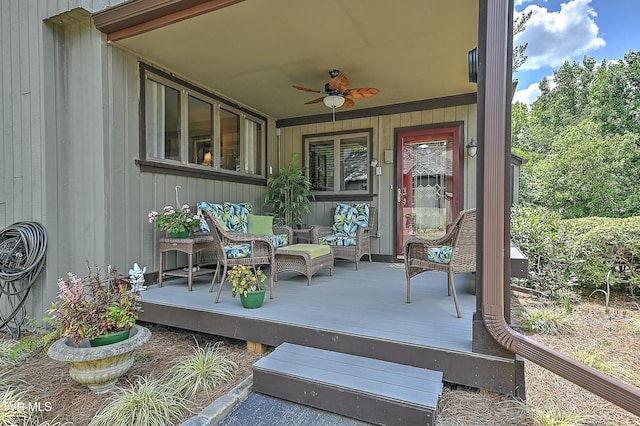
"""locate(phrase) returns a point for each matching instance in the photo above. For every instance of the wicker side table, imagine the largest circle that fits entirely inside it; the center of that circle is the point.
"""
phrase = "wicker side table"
(190, 246)
(297, 258)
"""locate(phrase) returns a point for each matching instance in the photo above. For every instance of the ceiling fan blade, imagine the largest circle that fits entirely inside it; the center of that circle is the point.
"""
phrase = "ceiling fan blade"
(362, 92)
(306, 89)
(315, 101)
(340, 82)
(348, 103)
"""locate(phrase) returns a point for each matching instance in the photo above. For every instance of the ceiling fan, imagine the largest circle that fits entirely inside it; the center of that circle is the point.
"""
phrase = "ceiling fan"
(337, 93)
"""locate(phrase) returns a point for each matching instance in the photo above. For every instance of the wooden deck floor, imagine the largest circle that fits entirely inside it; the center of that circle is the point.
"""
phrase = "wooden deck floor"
(360, 312)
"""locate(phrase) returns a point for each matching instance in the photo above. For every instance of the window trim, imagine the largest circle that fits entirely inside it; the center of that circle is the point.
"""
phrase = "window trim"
(165, 166)
(341, 195)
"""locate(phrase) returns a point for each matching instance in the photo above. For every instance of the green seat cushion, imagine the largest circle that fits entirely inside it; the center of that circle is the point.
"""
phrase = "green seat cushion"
(313, 250)
(259, 225)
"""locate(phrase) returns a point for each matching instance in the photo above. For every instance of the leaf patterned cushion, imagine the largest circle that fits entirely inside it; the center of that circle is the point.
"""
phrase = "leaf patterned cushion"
(236, 216)
(237, 251)
(439, 254)
(337, 240)
(349, 217)
(279, 240)
(216, 209)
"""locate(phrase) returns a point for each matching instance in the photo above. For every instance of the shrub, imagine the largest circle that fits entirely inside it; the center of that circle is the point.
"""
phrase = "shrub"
(538, 233)
(550, 320)
(205, 369)
(147, 403)
(591, 253)
(607, 251)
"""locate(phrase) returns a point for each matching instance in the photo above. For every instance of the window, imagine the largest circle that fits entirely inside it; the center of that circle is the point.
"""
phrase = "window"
(188, 127)
(339, 163)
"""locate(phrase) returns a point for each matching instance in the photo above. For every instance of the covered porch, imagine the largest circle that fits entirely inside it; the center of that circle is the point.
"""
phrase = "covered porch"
(355, 312)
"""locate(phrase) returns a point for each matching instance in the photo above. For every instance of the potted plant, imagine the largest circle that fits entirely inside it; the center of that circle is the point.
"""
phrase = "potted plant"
(288, 194)
(95, 308)
(177, 221)
(248, 283)
(87, 309)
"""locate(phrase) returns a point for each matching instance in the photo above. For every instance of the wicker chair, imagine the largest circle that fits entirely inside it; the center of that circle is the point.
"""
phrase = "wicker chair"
(262, 252)
(352, 253)
(461, 238)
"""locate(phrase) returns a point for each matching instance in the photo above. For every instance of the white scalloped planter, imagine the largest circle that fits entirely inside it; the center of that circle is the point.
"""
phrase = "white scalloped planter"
(99, 367)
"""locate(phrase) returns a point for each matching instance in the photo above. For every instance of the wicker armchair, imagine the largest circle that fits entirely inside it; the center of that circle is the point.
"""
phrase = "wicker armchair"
(462, 240)
(261, 252)
(352, 253)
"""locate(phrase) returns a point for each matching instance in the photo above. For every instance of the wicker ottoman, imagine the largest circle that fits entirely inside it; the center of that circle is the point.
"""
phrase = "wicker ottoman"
(304, 258)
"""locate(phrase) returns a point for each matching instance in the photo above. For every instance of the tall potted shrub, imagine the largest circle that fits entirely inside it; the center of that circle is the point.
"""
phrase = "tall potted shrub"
(288, 194)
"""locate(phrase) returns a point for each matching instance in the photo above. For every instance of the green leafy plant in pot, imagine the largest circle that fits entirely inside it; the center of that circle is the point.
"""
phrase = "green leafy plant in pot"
(96, 308)
(288, 194)
(248, 283)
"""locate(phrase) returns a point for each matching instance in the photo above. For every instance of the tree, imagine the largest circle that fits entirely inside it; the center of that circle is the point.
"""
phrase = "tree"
(588, 174)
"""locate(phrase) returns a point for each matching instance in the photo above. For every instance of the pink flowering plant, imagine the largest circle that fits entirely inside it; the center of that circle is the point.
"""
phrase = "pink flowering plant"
(93, 306)
(175, 219)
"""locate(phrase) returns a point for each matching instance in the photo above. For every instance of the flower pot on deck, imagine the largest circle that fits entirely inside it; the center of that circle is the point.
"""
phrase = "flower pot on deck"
(253, 299)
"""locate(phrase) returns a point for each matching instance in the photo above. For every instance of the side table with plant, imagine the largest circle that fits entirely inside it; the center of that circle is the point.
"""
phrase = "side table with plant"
(248, 283)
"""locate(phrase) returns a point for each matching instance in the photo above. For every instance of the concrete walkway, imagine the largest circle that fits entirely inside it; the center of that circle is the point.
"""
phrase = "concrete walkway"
(241, 406)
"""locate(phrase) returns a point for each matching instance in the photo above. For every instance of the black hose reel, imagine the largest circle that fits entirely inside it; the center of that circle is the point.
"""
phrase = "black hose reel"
(23, 248)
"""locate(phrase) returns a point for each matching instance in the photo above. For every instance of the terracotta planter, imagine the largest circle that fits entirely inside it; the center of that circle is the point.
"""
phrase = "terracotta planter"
(99, 367)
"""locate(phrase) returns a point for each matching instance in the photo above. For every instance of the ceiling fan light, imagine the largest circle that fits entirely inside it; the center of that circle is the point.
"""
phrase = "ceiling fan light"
(333, 101)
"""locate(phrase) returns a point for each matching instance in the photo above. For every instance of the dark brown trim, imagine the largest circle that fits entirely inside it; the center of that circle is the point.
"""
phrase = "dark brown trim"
(147, 166)
(475, 370)
(495, 94)
(150, 68)
(341, 197)
(423, 105)
(139, 16)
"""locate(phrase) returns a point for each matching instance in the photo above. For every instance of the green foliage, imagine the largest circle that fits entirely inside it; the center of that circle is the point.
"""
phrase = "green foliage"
(205, 369)
(288, 194)
(592, 253)
(606, 252)
(585, 129)
(146, 403)
(588, 175)
(93, 306)
(550, 320)
(538, 233)
(244, 279)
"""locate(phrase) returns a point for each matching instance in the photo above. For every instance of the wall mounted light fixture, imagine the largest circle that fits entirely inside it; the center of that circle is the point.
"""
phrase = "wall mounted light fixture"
(472, 148)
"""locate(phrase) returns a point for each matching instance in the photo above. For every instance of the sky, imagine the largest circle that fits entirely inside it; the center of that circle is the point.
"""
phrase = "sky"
(569, 30)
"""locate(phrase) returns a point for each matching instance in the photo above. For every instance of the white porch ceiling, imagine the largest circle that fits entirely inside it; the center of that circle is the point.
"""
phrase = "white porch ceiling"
(254, 51)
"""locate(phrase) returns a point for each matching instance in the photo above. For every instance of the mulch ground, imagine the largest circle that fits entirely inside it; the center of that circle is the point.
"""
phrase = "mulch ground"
(610, 331)
(74, 404)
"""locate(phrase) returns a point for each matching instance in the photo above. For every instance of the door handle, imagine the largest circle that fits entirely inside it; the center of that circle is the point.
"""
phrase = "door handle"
(399, 195)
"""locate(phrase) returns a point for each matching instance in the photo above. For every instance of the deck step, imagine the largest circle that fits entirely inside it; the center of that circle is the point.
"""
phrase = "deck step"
(367, 389)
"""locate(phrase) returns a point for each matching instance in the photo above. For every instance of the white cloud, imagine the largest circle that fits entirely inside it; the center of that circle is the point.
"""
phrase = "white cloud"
(531, 93)
(555, 37)
(527, 95)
